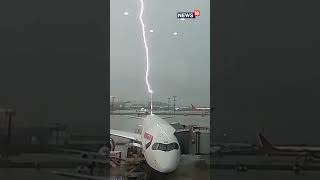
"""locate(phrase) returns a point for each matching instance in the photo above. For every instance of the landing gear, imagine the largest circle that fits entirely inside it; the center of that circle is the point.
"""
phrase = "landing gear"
(151, 173)
(112, 144)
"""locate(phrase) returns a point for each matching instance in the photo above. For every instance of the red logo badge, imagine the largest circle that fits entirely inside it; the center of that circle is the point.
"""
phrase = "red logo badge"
(197, 12)
(147, 136)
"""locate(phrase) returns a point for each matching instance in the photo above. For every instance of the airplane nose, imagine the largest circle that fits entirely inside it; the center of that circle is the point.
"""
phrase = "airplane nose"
(168, 164)
(168, 167)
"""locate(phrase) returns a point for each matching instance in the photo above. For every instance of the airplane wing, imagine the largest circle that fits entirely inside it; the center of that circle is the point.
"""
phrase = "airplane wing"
(167, 117)
(136, 117)
(75, 151)
(125, 134)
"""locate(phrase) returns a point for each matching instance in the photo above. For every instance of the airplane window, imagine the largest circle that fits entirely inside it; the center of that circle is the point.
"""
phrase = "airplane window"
(165, 147)
(162, 147)
(175, 145)
(170, 147)
(148, 144)
(155, 146)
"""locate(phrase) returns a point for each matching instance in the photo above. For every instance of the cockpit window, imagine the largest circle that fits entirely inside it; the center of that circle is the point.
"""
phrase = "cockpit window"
(162, 147)
(155, 146)
(175, 145)
(165, 147)
(169, 147)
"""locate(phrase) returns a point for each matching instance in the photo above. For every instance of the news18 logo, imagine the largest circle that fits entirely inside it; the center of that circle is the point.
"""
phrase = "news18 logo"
(185, 15)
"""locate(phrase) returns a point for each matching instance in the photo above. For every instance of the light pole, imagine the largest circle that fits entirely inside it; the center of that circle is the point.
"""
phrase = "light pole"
(9, 113)
(57, 133)
(112, 102)
(169, 105)
(174, 105)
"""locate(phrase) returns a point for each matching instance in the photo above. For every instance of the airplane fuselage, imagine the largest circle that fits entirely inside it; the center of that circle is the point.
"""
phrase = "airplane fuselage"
(267, 147)
(159, 144)
(200, 108)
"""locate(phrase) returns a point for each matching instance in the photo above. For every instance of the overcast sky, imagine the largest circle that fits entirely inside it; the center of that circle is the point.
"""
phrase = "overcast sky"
(53, 62)
(179, 65)
(266, 61)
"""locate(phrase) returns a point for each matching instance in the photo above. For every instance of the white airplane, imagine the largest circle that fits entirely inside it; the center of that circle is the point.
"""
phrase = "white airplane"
(144, 110)
(160, 146)
(267, 147)
(200, 108)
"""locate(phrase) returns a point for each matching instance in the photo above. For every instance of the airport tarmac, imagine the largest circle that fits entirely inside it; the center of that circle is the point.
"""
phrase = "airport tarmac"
(127, 123)
(187, 169)
(30, 174)
(272, 165)
(262, 175)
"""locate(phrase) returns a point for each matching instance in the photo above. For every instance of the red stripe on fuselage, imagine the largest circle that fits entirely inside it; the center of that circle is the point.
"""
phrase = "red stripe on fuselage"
(147, 136)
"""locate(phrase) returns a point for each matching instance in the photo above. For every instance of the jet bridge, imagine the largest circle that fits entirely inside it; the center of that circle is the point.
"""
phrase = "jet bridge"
(193, 139)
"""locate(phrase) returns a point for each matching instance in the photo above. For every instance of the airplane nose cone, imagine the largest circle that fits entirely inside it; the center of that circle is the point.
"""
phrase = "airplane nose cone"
(169, 163)
(168, 167)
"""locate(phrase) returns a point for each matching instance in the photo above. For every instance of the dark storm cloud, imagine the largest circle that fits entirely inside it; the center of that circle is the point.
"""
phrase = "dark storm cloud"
(53, 60)
(267, 65)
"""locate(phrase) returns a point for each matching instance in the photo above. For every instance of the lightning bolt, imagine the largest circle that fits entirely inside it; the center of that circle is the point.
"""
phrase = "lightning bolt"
(147, 52)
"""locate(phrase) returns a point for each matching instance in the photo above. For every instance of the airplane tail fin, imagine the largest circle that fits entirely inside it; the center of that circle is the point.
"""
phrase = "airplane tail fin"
(265, 145)
(193, 108)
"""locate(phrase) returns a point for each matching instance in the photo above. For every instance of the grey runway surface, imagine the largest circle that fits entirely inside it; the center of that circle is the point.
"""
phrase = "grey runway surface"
(30, 174)
(125, 122)
(186, 171)
(261, 175)
(230, 174)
